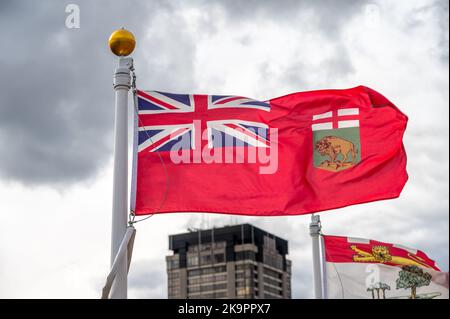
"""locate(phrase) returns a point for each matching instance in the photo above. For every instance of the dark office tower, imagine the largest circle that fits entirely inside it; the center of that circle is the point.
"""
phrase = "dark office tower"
(239, 261)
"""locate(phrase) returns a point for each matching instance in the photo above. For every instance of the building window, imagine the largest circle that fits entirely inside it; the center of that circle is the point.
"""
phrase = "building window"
(194, 289)
(213, 287)
(173, 262)
(245, 255)
(206, 279)
(214, 295)
(219, 258)
(193, 248)
(269, 244)
(272, 282)
(220, 244)
(221, 294)
(244, 283)
(271, 296)
(192, 260)
(193, 273)
(246, 267)
(272, 290)
(220, 277)
(271, 273)
(244, 291)
(205, 246)
(273, 260)
(173, 275)
(205, 259)
(174, 291)
(206, 271)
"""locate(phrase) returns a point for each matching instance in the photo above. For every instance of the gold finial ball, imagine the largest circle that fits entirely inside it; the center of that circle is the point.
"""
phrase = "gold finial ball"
(122, 42)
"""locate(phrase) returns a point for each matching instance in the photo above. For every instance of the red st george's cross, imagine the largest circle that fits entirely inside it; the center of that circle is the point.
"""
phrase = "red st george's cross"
(335, 116)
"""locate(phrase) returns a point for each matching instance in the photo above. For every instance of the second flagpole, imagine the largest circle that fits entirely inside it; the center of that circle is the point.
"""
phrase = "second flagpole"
(314, 231)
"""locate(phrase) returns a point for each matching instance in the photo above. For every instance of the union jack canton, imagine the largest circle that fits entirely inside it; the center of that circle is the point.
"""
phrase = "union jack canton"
(166, 119)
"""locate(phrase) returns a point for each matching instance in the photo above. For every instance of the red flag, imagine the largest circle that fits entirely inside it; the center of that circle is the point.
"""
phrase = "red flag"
(296, 154)
(363, 268)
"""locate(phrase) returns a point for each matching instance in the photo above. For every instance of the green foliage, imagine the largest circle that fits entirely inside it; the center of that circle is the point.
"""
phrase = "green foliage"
(412, 277)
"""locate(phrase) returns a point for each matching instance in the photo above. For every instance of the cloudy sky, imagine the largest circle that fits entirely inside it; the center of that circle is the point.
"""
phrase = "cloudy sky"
(56, 122)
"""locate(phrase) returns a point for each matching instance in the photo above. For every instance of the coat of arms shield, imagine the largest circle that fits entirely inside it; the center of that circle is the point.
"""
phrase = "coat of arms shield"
(336, 139)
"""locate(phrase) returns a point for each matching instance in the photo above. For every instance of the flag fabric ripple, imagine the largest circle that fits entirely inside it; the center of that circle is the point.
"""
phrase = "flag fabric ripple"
(297, 154)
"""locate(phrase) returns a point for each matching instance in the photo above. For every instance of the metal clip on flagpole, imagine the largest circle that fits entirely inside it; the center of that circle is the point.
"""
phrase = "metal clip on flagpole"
(122, 43)
(314, 231)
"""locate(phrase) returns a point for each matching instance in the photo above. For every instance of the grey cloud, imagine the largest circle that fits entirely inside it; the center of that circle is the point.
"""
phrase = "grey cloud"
(56, 108)
(442, 11)
(54, 113)
(326, 73)
(329, 19)
(168, 55)
(439, 9)
(330, 14)
(56, 97)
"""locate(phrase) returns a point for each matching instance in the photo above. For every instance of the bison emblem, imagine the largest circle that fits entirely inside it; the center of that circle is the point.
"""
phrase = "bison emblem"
(332, 147)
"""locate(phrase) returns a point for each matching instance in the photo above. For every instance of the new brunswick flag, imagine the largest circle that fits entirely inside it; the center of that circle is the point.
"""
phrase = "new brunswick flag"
(367, 269)
(296, 154)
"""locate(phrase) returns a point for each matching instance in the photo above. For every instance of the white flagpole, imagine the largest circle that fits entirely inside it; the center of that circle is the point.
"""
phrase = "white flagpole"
(122, 84)
(324, 268)
(314, 231)
(122, 44)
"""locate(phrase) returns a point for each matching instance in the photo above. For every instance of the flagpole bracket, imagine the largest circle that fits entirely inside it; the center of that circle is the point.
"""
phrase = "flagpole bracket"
(122, 77)
(315, 227)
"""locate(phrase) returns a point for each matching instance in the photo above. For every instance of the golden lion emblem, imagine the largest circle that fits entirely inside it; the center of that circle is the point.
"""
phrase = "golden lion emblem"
(381, 254)
(378, 254)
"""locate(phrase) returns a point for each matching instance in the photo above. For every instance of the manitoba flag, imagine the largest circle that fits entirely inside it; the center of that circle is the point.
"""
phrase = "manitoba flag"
(361, 268)
(296, 154)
